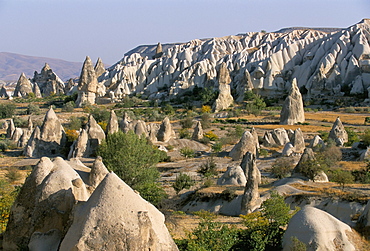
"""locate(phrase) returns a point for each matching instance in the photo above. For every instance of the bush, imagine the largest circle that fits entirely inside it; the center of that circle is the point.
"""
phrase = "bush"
(13, 174)
(205, 120)
(342, 177)
(208, 109)
(69, 106)
(100, 115)
(352, 137)
(7, 196)
(310, 169)
(20, 122)
(217, 147)
(75, 123)
(183, 181)
(187, 152)
(365, 137)
(211, 135)
(208, 168)
(133, 159)
(282, 167)
(297, 245)
(33, 109)
(71, 135)
(7, 110)
(187, 123)
(168, 109)
(255, 103)
(363, 175)
(7, 144)
(184, 134)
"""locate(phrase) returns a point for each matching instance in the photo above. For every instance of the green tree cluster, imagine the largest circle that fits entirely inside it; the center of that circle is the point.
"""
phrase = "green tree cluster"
(7, 110)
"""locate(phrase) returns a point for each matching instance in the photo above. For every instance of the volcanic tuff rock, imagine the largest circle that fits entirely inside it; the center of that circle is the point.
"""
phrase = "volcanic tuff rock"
(317, 141)
(251, 198)
(113, 125)
(165, 132)
(98, 172)
(280, 136)
(292, 111)
(307, 156)
(87, 84)
(323, 62)
(338, 133)
(48, 82)
(234, 175)
(318, 230)
(49, 140)
(247, 143)
(10, 130)
(224, 99)
(23, 87)
(298, 141)
(134, 225)
(99, 68)
(198, 132)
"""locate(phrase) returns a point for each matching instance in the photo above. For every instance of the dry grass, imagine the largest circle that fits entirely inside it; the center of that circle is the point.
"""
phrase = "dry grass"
(351, 165)
(355, 118)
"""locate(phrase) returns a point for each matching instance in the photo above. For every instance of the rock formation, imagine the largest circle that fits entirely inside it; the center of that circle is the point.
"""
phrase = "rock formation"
(224, 99)
(317, 142)
(268, 140)
(280, 136)
(248, 162)
(10, 130)
(87, 84)
(338, 133)
(318, 230)
(48, 82)
(288, 150)
(3, 92)
(234, 175)
(251, 198)
(126, 123)
(307, 156)
(165, 132)
(292, 111)
(88, 141)
(113, 125)
(246, 144)
(134, 224)
(99, 67)
(298, 141)
(49, 140)
(97, 173)
(158, 51)
(198, 132)
(23, 87)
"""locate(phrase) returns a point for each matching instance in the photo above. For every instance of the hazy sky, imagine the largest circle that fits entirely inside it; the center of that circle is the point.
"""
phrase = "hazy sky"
(73, 29)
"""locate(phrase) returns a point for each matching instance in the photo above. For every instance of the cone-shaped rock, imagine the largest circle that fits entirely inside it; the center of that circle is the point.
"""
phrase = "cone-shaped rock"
(268, 140)
(307, 156)
(319, 230)
(234, 175)
(247, 163)
(112, 126)
(224, 99)
(36, 90)
(251, 198)
(117, 218)
(99, 67)
(158, 51)
(98, 172)
(52, 137)
(3, 92)
(23, 87)
(198, 132)
(87, 84)
(338, 133)
(298, 141)
(292, 111)
(246, 144)
(317, 141)
(78, 147)
(48, 82)
(126, 123)
(140, 128)
(165, 132)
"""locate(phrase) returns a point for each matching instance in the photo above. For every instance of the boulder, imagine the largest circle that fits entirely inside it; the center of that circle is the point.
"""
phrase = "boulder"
(113, 125)
(280, 136)
(87, 84)
(11, 129)
(198, 132)
(338, 133)
(317, 142)
(234, 175)
(318, 230)
(117, 218)
(165, 132)
(247, 143)
(298, 141)
(251, 198)
(51, 139)
(23, 87)
(292, 111)
(288, 150)
(224, 99)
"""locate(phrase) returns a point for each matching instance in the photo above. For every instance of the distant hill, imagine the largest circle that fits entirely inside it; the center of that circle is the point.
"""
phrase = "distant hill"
(12, 65)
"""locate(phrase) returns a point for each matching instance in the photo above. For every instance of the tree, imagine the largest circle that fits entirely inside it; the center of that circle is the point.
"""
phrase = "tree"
(310, 169)
(342, 177)
(7, 110)
(282, 167)
(133, 159)
(183, 181)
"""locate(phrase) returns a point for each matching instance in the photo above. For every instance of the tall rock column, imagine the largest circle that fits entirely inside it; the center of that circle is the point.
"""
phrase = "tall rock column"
(87, 84)
(251, 198)
(292, 111)
(224, 99)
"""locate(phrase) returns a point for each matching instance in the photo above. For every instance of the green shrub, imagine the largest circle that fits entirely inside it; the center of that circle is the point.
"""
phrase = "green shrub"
(100, 115)
(211, 136)
(208, 168)
(184, 134)
(365, 137)
(187, 122)
(263, 152)
(282, 167)
(217, 147)
(7, 110)
(187, 152)
(13, 174)
(297, 245)
(75, 123)
(342, 177)
(69, 106)
(8, 193)
(133, 159)
(205, 120)
(33, 109)
(20, 122)
(352, 137)
(183, 181)
(310, 169)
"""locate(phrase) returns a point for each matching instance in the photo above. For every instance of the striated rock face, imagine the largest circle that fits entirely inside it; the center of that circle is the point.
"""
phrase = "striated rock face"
(322, 62)
(87, 84)
(224, 99)
(318, 230)
(134, 224)
(23, 87)
(234, 175)
(251, 198)
(338, 133)
(113, 125)
(165, 132)
(54, 188)
(246, 144)
(49, 140)
(198, 132)
(48, 82)
(292, 111)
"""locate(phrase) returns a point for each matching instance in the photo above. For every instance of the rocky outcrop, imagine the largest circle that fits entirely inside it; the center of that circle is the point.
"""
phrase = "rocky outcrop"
(247, 143)
(134, 224)
(88, 141)
(126, 123)
(98, 172)
(338, 133)
(165, 132)
(10, 130)
(49, 140)
(268, 140)
(87, 84)
(307, 156)
(234, 175)
(251, 198)
(43, 205)
(292, 111)
(317, 142)
(113, 125)
(48, 82)
(298, 141)
(318, 230)
(198, 132)
(99, 68)
(23, 87)
(280, 136)
(224, 99)
(248, 162)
